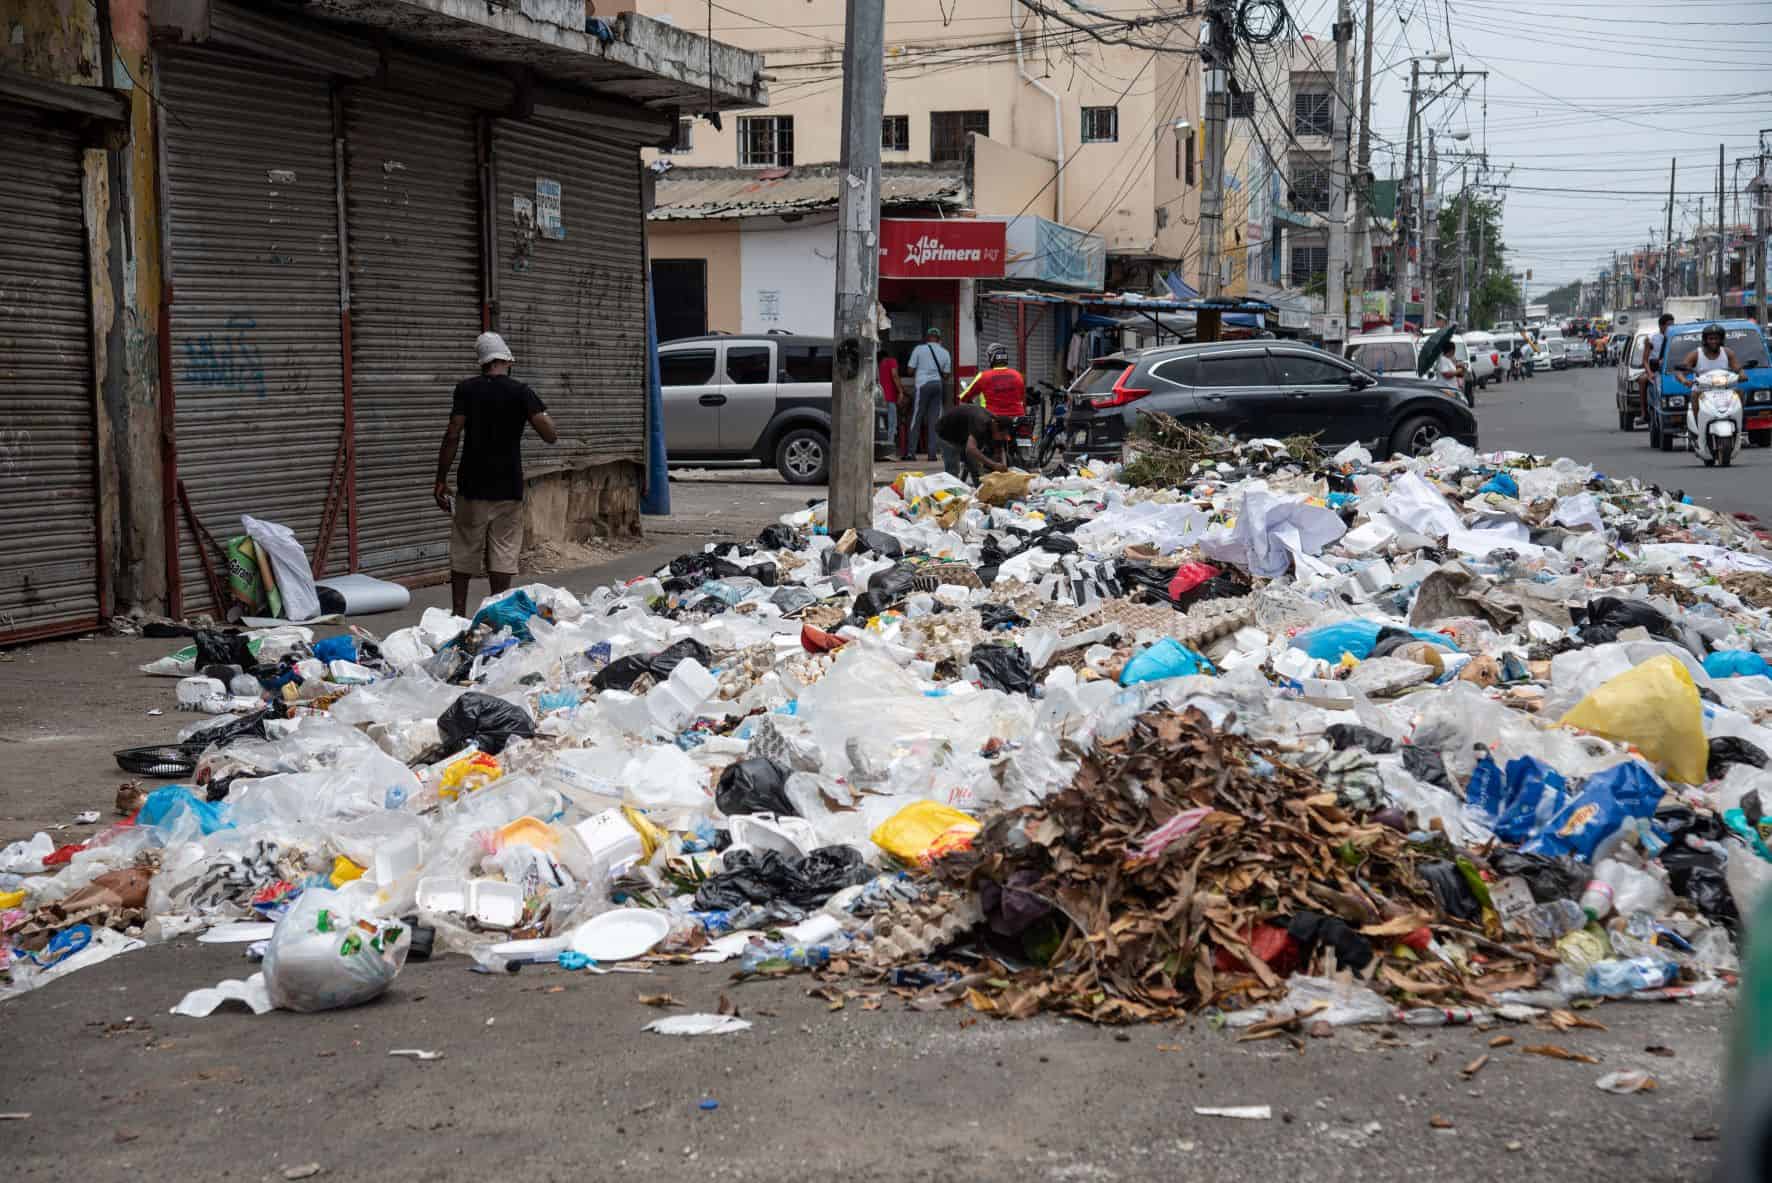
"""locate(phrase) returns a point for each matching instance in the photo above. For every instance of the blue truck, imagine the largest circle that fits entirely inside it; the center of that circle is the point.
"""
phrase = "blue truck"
(1666, 408)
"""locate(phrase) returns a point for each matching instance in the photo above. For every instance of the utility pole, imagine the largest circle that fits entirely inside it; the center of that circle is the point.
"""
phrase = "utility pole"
(1363, 187)
(1215, 58)
(1430, 236)
(1461, 302)
(1720, 237)
(1400, 249)
(1335, 302)
(1476, 284)
(856, 372)
(1667, 243)
(1761, 204)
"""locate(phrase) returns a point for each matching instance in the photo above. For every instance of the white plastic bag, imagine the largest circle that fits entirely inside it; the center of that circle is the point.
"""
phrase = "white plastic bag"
(324, 954)
(295, 580)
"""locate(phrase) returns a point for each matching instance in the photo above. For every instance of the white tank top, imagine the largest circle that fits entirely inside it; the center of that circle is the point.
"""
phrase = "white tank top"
(1707, 364)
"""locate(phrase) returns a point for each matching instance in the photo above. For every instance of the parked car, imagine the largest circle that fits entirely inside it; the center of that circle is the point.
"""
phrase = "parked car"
(1629, 379)
(764, 397)
(1485, 364)
(1556, 349)
(1264, 388)
(1577, 352)
(1666, 410)
(1400, 353)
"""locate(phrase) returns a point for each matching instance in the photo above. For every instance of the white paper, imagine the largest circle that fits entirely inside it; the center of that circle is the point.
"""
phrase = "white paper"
(1246, 1112)
(1420, 506)
(200, 1004)
(702, 1024)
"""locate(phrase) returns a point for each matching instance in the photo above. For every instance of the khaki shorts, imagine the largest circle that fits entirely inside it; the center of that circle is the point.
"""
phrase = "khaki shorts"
(485, 534)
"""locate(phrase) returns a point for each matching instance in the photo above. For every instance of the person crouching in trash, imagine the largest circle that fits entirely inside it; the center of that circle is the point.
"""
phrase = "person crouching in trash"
(970, 437)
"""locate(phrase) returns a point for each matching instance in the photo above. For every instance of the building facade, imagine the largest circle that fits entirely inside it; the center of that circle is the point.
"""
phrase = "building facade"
(245, 249)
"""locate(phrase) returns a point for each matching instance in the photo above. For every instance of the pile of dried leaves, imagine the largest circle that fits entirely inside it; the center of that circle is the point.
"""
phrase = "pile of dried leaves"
(1165, 451)
(1177, 848)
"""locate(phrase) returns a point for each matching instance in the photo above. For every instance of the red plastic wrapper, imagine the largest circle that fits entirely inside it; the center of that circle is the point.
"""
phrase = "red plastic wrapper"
(1188, 576)
(1269, 942)
(816, 640)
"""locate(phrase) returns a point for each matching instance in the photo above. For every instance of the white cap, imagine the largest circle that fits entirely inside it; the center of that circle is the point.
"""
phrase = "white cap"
(492, 347)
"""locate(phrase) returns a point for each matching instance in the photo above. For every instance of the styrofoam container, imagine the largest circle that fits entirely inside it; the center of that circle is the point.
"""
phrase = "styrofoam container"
(493, 903)
(395, 857)
(608, 835)
(621, 934)
(765, 831)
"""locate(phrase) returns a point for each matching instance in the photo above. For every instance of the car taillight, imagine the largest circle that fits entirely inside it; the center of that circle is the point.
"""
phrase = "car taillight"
(1122, 394)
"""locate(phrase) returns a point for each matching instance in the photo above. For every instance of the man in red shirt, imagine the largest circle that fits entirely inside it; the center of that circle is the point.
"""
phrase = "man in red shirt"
(889, 393)
(1004, 391)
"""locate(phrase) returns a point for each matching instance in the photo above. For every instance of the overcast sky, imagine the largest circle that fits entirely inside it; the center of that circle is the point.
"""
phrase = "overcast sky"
(1588, 101)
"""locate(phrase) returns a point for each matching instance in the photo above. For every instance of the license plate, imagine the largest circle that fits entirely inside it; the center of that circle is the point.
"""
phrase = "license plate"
(1024, 442)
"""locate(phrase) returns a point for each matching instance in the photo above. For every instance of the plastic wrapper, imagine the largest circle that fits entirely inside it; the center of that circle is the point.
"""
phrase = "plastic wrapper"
(1003, 667)
(1606, 801)
(326, 952)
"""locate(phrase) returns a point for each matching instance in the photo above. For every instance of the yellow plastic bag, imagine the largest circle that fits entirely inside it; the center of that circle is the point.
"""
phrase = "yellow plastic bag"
(1654, 707)
(464, 776)
(922, 830)
(344, 870)
(1000, 488)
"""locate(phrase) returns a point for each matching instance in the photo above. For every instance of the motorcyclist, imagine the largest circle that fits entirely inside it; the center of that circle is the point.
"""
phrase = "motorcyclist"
(1515, 366)
(1003, 390)
(1712, 354)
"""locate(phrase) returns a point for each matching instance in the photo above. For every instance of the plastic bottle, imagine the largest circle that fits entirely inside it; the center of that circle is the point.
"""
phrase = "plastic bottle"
(770, 955)
(1596, 897)
(1549, 922)
(1618, 978)
(1432, 1016)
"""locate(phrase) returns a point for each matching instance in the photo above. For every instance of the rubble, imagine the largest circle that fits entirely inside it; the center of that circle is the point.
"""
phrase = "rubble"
(1244, 729)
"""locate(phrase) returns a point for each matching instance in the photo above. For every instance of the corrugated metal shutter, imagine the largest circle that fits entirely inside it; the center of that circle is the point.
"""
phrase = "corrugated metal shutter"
(252, 211)
(49, 576)
(574, 309)
(997, 324)
(413, 198)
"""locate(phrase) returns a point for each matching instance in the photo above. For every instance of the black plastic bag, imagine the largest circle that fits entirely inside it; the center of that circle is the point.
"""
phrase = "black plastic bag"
(1456, 899)
(215, 647)
(757, 785)
(1547, 878)
(1732, 749)
(1608, 616)
(1426, 765)
(1352, 735)
(1003, 667)
(624, 672)
(999, 616)
(1309, 929)
(778, 537)
(489, 722)
(881, 543)
(893, 584)
(690, 571)
(761, 877)
(1058, 544)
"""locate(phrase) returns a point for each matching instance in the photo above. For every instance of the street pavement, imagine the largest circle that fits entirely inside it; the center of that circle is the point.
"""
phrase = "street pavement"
(547, 1074)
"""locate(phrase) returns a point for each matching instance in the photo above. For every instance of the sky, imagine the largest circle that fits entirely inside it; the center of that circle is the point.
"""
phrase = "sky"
(1586, 104)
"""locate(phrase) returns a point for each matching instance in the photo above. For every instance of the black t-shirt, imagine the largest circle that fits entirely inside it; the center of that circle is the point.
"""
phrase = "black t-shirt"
(966, 420)
(497, 408)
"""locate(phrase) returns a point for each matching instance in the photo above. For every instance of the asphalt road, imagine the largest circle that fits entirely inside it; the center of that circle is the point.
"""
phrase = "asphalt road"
(1573, 414)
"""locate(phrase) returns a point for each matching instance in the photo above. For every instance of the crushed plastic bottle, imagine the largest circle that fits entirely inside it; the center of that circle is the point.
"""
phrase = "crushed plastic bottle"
(1621, 977)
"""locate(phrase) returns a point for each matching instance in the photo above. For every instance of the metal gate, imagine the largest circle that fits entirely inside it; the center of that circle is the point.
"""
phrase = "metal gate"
(997, 323)
(571, 290)
(252, 217)
(412, 189)
(49, 545)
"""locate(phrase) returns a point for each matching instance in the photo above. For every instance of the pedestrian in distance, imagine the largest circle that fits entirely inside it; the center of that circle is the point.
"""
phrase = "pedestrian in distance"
(889, 392)
(930, 365)
(487, 513)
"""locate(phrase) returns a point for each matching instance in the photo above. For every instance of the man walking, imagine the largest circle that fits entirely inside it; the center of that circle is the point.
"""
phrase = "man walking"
(487, 534)
(930, 366)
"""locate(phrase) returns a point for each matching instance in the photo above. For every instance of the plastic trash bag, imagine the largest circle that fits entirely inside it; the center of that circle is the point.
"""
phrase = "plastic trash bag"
(289, 564)
(1454, 893)
(1608, 616)
(1736, 663)
(995, 616)
(165, 806)
(1606, 801)
(758, 785)
(1168, 658)
(326, 953)
(1546, 878)
(881, 543)
(779, 537)
(1654, 707)
(1726, 750)
(1356, 638)
(509, 612)
(762, 877)
(1003, 667)
(489, 722)
(922, 828)
(1351, 735)
(624, 672)
(1516, 803)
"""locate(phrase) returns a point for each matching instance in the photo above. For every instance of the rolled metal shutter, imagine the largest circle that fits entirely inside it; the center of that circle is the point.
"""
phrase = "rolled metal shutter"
(573, 309)
(997, 324)
(49, 548)
(257, 373)
(412, 192)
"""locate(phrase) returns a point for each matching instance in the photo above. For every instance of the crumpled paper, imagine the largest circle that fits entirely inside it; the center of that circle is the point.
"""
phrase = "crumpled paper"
(1272, 534)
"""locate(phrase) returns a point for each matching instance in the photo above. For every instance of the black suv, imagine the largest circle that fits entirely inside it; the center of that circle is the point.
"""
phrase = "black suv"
(1263, 388)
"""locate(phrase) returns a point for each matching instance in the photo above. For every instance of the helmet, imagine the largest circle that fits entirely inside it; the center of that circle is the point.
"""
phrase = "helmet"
(996, 355)
(1712, 330)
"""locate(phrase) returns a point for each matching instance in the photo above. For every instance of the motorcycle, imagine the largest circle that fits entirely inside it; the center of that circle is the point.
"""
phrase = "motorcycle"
(1515, 371)
(1714, 417)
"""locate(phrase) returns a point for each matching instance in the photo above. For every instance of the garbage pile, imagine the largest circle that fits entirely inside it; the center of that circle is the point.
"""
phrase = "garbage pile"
(1279, 734)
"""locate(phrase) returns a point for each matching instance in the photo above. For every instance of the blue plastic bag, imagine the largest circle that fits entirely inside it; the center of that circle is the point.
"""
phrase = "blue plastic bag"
(1168, 658)
(1503, 483)
(340, 648)
(1607, 800)
(1355, 637)
(1534, 793)
(166, 804)
(512, 612)
(1486, 790)
(1736, 663)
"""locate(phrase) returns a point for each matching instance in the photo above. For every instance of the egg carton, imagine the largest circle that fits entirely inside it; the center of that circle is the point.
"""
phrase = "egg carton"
(915, 931)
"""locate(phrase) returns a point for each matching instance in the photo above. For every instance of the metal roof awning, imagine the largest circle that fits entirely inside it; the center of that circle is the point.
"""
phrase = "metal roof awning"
(1132, 302)
(630, 56)
(685, 194)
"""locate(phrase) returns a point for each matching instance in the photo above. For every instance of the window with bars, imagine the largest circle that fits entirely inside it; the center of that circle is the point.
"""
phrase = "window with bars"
(1310, 189)
(1309, 265)
(948, 132)
(1101, 125)
(1311, 113)
(766, 141)
(1243, 105)
(685, 141)
(895, 133)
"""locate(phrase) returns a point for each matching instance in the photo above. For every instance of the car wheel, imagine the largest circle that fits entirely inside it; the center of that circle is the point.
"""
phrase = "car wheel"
(803, 456)
(1416, 436)
(1626, 421)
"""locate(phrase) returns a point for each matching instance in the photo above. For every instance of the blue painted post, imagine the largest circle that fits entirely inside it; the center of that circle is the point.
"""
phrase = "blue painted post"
(657, 499)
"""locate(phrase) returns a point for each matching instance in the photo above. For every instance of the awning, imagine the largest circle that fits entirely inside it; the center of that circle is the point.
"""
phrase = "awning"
(1178, 287)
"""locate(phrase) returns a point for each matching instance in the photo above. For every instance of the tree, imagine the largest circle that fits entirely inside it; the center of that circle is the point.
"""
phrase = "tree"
(1493, 292)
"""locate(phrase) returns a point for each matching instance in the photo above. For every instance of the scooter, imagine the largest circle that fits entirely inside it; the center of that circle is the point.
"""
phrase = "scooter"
(1714, 417)
(1515, 371)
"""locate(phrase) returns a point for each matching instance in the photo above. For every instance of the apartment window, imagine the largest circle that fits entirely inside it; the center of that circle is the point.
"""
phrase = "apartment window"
(895, 133)
(685, 141)
(1311, 113)
(1101, 125)
(1243, 105)
(1310, 190)
(766, 141)
(948, 132)
(1189, 169)
(1309, 265)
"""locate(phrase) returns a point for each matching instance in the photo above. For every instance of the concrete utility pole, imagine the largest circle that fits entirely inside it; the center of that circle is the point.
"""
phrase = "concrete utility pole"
(1461, 304)
(1215, 58)
(1761, 205)
(1667, 243)
(1363, 186)
(1400, 249)
(856, 375)
(1720, 235)
(1335, 302)
(1430, 235)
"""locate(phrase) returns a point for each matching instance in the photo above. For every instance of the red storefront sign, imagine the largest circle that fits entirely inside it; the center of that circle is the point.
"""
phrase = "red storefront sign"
(935, 248)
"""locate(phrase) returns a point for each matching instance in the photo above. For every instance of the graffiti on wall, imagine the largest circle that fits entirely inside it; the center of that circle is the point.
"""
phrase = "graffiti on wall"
(227, 360)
